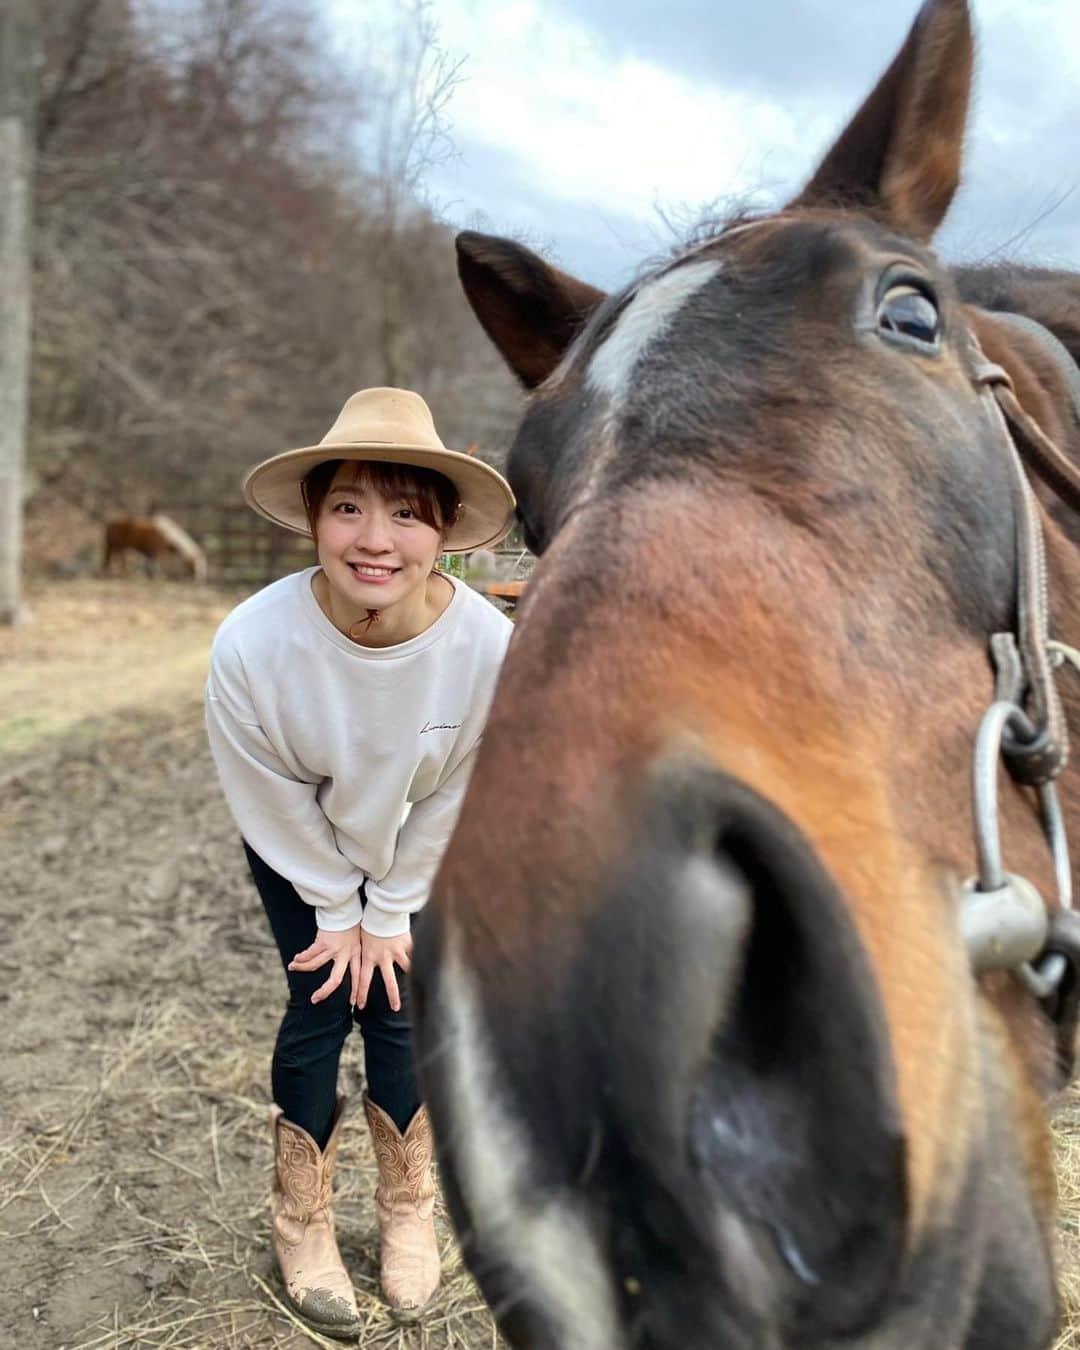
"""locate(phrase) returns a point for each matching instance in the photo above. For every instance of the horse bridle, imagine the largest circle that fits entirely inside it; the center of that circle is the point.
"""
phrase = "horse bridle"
(1004, 920)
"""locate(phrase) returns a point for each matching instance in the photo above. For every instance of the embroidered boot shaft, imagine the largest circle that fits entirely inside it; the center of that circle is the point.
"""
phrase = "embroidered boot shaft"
(302, 1227)
(405, 1204)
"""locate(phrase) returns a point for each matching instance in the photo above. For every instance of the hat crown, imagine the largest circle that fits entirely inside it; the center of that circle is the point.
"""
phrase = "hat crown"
(385, 417)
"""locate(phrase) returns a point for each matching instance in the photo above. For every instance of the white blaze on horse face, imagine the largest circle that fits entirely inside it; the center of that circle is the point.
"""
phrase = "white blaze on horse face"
(646, 318)
(544, 1239)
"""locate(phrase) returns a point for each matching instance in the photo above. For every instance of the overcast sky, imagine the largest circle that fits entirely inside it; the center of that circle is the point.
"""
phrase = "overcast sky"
(575, 120)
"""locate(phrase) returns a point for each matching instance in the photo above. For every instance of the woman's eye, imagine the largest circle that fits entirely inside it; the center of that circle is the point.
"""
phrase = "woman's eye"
(407, 513)
(910, 313)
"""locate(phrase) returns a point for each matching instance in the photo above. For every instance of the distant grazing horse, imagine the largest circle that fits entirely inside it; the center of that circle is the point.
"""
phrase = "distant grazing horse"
(722, 1052)
(158, 539)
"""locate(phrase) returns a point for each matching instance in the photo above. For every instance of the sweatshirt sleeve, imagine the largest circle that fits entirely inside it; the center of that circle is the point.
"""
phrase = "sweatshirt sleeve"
(421, 844)
(277, 812)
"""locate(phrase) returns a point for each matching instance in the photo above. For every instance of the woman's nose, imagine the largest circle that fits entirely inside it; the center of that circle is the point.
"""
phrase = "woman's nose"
(373, 532)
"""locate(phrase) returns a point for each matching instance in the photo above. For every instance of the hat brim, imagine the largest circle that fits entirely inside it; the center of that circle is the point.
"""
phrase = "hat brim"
(272, 488)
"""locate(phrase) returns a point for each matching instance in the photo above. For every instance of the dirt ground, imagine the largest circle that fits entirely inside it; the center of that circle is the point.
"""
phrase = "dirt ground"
(140, 997)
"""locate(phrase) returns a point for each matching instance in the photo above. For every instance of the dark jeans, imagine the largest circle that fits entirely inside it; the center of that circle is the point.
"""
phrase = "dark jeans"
(304, 1070)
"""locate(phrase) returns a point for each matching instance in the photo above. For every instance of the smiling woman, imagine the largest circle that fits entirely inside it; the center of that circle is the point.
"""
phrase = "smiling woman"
(344, 708)
(378, 529)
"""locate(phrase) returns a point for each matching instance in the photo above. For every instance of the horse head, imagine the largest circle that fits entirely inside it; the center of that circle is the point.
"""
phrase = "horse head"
(698, 1025)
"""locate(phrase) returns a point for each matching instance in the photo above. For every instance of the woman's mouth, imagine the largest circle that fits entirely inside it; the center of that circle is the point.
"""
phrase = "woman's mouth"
(370, 572)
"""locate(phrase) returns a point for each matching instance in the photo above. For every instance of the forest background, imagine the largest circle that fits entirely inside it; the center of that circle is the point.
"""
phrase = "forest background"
(231, 235)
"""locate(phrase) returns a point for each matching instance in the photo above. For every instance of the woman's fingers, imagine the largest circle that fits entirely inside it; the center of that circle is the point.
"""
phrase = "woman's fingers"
(311, 958)
(390, 980)
(312, 962)
(367, 969)
(333, 980)
(354, 977)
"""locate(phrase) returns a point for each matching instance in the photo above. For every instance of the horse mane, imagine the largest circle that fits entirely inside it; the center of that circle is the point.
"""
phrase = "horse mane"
(1047, 295)
(713, 221)
(182, 542)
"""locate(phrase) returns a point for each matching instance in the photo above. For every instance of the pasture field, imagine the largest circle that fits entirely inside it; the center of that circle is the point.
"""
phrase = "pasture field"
(140, 995)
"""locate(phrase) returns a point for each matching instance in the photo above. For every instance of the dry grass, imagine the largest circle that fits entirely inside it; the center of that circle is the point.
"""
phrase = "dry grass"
(97, 650)
(158, 1169)
(1066, 1132)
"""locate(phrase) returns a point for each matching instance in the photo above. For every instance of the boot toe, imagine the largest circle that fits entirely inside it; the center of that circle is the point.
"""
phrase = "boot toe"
(407, 1306)
(330, 1312)
(408, 1287)
(327, 1306)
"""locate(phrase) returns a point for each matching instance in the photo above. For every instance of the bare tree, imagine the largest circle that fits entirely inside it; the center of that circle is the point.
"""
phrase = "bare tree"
(231, 235)
(18, 74)
(82, 54)
(409, 137)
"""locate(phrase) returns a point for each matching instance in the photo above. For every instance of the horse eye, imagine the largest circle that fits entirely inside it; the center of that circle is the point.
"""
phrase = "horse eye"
(911, 314)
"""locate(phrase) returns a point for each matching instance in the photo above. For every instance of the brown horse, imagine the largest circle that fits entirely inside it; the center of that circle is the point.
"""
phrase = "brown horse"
(157, 538)
(712, 1056)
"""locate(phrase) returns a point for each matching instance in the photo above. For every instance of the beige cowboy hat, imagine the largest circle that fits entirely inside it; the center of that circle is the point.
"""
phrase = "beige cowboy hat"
(392, 426)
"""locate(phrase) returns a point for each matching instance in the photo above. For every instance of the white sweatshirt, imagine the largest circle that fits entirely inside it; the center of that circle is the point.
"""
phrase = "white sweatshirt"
(325, 747)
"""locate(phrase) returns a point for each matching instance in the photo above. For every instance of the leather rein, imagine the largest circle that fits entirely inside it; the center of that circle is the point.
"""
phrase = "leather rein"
(1004, 921)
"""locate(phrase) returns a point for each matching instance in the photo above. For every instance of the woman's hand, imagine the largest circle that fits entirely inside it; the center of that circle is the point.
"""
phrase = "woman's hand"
(383, 954)
(344, 950)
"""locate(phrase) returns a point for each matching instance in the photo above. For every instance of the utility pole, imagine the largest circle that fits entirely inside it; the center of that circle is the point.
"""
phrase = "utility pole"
(18, 83)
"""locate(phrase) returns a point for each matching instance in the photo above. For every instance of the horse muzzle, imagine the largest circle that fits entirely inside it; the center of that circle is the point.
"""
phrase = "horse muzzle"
(716, 1097)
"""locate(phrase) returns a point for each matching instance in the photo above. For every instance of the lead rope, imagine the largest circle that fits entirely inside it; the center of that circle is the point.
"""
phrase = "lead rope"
(1044, 753)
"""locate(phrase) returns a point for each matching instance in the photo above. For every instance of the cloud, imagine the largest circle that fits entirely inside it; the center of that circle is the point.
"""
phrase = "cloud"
(827, 49)
(578, 118)
(621, 132)
(598, 243)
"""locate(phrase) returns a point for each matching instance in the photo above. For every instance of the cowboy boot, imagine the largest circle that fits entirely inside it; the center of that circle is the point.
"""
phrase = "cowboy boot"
(302, 1227)
(405, 1204)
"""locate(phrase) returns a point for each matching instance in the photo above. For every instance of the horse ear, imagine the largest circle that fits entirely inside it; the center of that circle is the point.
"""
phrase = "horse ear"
(530, 310)
(900, 154)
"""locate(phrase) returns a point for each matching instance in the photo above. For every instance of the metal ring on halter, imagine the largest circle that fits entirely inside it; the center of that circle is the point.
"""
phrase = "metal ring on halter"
(1002, 923)
(984, 787)
(1003, 919)
(987, 838)
(1054, 825)
(1044, 977)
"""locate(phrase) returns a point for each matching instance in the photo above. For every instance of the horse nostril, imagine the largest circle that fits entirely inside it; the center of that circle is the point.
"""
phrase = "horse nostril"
(755, 1108)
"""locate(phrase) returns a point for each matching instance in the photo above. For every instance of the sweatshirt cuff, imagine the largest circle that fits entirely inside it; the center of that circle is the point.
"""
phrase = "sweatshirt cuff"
(339, 918)
(385, 923)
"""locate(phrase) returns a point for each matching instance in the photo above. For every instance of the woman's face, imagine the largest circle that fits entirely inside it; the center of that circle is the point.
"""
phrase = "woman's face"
(375, 552)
